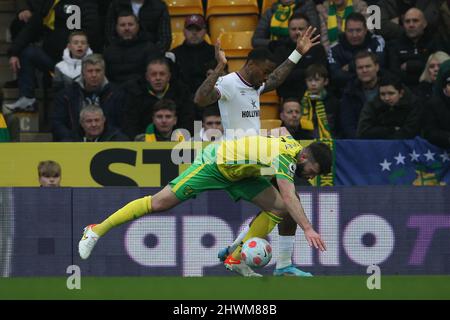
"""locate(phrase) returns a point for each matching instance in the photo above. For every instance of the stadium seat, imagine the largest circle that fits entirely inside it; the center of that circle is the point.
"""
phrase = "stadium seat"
(219, 24)
(266, 4)
(184, 7)
(236, 44)
(178, 38)
(269, 111)
(231, 7)
(177, 23)
(235, 64)
(270, 123)
(270, 97)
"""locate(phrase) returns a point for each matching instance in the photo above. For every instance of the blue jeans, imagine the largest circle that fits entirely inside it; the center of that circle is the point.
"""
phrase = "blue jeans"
(32, 58)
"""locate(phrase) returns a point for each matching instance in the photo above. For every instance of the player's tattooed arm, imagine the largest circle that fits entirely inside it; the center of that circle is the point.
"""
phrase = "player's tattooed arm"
(278, 76)
(206, 94)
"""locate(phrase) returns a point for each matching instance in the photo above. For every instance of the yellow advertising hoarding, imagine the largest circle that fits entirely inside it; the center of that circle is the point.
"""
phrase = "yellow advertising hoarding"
(93, 164)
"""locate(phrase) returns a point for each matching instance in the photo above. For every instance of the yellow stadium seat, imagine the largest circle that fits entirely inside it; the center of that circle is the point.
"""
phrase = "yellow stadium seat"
(228, 7)
(269, 111)
(270, 123)
(178, 38)
(219, 24)
(266, 5)
(236, 44)
(270, 97)
(184, 7)
(235, 64)
(177, 23)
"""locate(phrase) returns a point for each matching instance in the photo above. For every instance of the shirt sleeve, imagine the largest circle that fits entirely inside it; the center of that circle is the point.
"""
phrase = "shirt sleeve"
(225, 88)
(285, 167)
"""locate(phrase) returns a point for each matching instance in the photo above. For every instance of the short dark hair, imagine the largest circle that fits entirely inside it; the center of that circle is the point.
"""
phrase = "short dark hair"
(211, 111)
(321, 154)
(390, 79)
(261, 54)
(366, 54)
(286, 100)
(355, 16)
(316, 70)
(159, 59)
(165, 104)
(127, 13)
(298, 16)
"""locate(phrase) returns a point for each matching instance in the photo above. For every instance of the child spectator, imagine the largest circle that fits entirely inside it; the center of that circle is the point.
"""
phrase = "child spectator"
(49, 173)
(319, 108)
(69, 69)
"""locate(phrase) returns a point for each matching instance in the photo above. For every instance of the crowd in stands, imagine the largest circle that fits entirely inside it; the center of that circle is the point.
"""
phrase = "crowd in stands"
(119, 79)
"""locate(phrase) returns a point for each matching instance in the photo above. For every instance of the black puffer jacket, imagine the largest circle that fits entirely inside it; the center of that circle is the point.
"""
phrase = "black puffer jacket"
(139, 106)
(55, 41)
(126, 59)
(415, 55)
(437, 121)
(192, 61)
(381, 121)
(153, 17)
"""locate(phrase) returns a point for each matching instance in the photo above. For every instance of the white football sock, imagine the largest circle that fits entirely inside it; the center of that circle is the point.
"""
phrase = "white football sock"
(285, 251)
(239, 239)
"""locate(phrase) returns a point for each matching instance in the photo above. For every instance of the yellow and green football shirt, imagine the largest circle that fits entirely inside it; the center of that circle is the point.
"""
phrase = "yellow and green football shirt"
(255, 156)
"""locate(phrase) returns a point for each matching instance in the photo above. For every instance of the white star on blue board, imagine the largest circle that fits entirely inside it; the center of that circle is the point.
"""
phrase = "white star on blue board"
(385, 165)
(400, 158)
(414, 156)
(429, 155)
(445, 157)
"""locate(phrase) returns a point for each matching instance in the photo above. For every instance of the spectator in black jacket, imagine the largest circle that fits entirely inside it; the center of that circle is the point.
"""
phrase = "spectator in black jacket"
(50, 23)
(25, 10)
(409, 53)
(95, 128)
(394, 114)
(127, 55)
(356, 38)
(194, 54)
(294, 85)
(437, 115)
(392, 12)
(358, 92)
(143, 94)
(92, 88)
(153, 17)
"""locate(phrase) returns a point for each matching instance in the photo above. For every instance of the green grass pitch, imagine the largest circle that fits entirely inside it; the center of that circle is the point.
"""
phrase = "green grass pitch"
(231, 288)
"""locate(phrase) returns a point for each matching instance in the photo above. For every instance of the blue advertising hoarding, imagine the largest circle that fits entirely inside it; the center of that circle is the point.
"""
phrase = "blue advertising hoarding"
(404, 230)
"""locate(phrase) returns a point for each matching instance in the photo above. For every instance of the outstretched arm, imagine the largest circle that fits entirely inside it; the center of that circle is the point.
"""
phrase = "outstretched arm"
(304, 42)
(206, 94)
(295, 209)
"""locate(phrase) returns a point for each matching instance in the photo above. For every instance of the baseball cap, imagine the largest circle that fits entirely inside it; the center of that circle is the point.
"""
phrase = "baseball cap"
(195, 20)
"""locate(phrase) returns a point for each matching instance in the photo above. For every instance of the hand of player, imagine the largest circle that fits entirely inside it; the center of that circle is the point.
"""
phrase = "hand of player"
(345, 68)
(14, 63)
(220, 54)
(306, 40)
(25, 15)
(315, 240)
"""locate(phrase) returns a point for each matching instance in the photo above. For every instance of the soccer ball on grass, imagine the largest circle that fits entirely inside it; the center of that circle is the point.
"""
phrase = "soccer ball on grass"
(256, 252)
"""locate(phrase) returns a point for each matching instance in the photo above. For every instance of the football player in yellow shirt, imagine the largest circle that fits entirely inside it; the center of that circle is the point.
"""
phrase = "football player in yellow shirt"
(243, 168)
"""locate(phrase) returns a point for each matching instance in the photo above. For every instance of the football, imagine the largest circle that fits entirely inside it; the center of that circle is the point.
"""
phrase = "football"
(256, 252)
